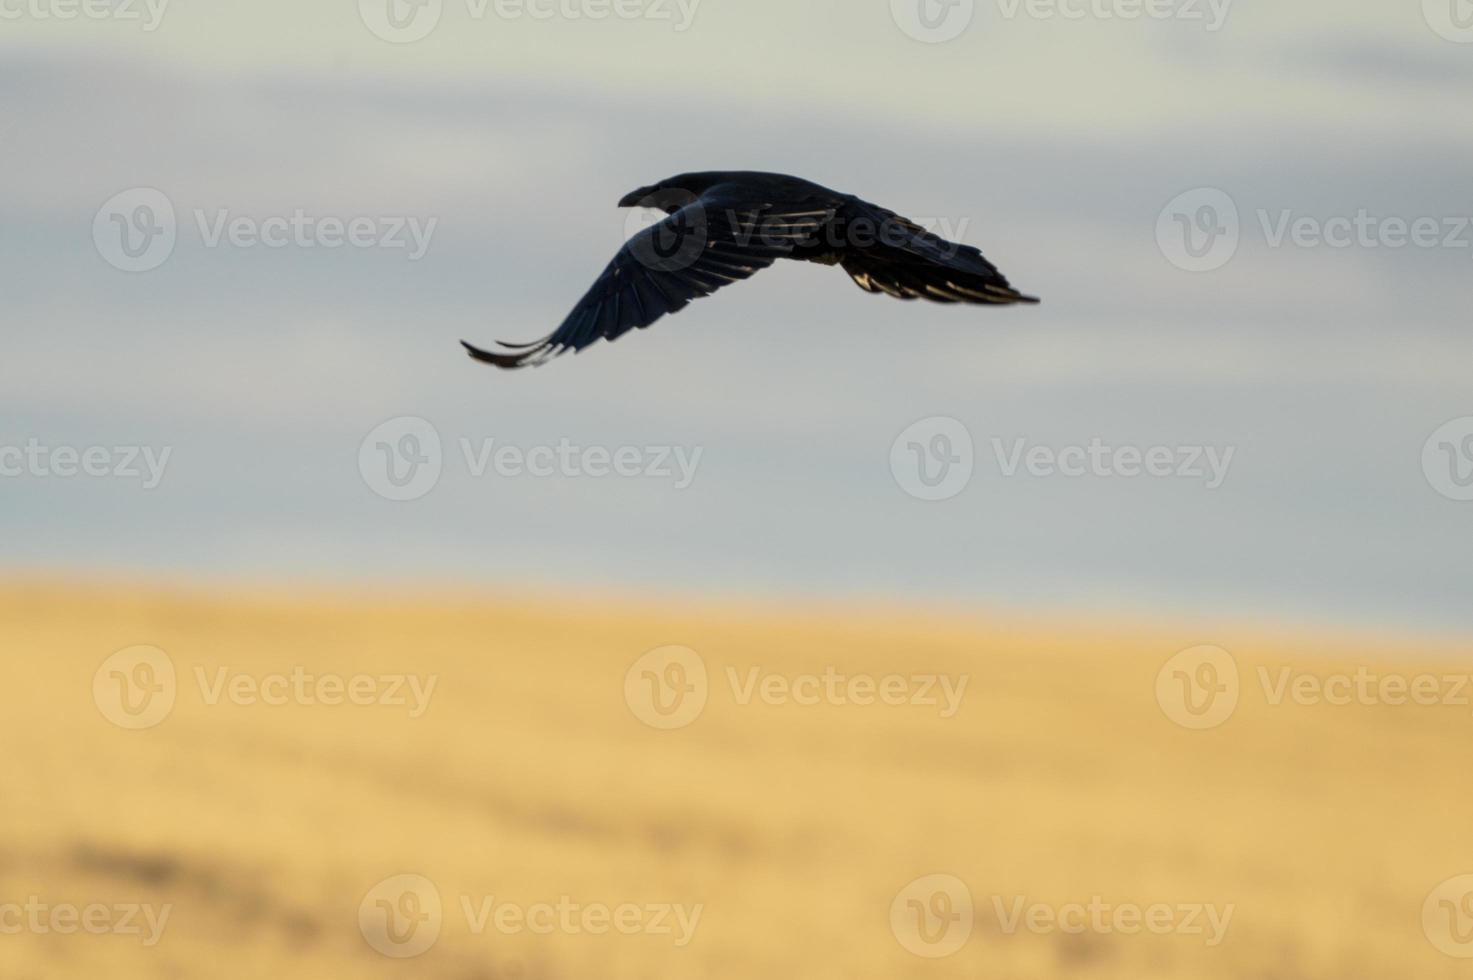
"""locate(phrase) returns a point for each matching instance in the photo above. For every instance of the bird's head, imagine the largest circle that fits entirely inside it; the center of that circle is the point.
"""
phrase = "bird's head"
(673, 194)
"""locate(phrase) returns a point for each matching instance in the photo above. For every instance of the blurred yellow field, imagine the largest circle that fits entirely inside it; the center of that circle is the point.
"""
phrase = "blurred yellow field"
(571, 806)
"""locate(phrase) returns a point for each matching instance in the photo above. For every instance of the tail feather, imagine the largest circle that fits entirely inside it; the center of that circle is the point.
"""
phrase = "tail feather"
(934, 282)
(909, 262)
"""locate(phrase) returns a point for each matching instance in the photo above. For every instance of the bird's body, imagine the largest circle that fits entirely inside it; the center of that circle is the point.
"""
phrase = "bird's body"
(724, 226)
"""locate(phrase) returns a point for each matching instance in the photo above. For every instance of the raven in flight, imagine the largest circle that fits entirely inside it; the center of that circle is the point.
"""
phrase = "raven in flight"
(724, 226)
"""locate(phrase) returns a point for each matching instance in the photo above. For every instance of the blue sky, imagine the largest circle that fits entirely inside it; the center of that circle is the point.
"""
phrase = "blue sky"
(1069, 149)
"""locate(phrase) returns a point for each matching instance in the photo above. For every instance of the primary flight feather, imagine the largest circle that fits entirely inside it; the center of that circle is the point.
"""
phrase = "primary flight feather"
(724, 226)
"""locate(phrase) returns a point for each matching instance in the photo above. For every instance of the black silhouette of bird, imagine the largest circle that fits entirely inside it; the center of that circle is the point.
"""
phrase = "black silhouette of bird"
(724, 226)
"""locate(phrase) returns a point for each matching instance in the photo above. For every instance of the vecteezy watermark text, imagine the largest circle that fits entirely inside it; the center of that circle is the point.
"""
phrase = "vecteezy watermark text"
(137, 230)
(669, 688)
(138, 688)
(934, 915)
(1200, 688)
(934, 459)
(1212, 14)
(35, 459)
(672, 229)
(299, 686)
(403, 459)
(1209, 464)
(403, 916)
(938, 21)
(407, 21)
(149, 14)
(302, 230)
(1016, 913)
(842, 689)
(568, 916)
(41, 918)
(1201, 230)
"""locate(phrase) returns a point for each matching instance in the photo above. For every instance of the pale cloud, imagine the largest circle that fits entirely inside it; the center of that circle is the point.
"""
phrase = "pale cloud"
(1010, 69)
(1058, 144)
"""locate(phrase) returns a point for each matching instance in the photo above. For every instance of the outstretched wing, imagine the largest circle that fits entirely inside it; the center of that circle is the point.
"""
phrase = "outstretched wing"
(886, 253)
(692, 253)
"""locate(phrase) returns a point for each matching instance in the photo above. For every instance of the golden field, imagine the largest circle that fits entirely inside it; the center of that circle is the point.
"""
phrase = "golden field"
(531, 779)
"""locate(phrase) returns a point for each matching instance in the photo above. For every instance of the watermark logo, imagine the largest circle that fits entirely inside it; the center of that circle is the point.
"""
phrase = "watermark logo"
(402, 459)
(934, 21)
(136, 230)
(1199, 230)
(139, 687)
(1447, 459)
(401, 21)
(933, 459)
(136, 688)
(407, 21)
(667, 688)
(670, 229)
(1451, 19)
(1199, 688)
(667, 231)
(933, 916)
(401, 917)
(1447, 917)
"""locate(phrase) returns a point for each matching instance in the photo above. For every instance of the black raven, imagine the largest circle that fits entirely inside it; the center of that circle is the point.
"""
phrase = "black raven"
(723, 226)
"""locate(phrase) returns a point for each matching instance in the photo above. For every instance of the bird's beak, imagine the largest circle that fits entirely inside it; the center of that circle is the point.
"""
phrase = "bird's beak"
(633, 200)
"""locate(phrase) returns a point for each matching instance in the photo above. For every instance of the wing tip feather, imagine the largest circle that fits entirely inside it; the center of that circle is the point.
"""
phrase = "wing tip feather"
(530, 355)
